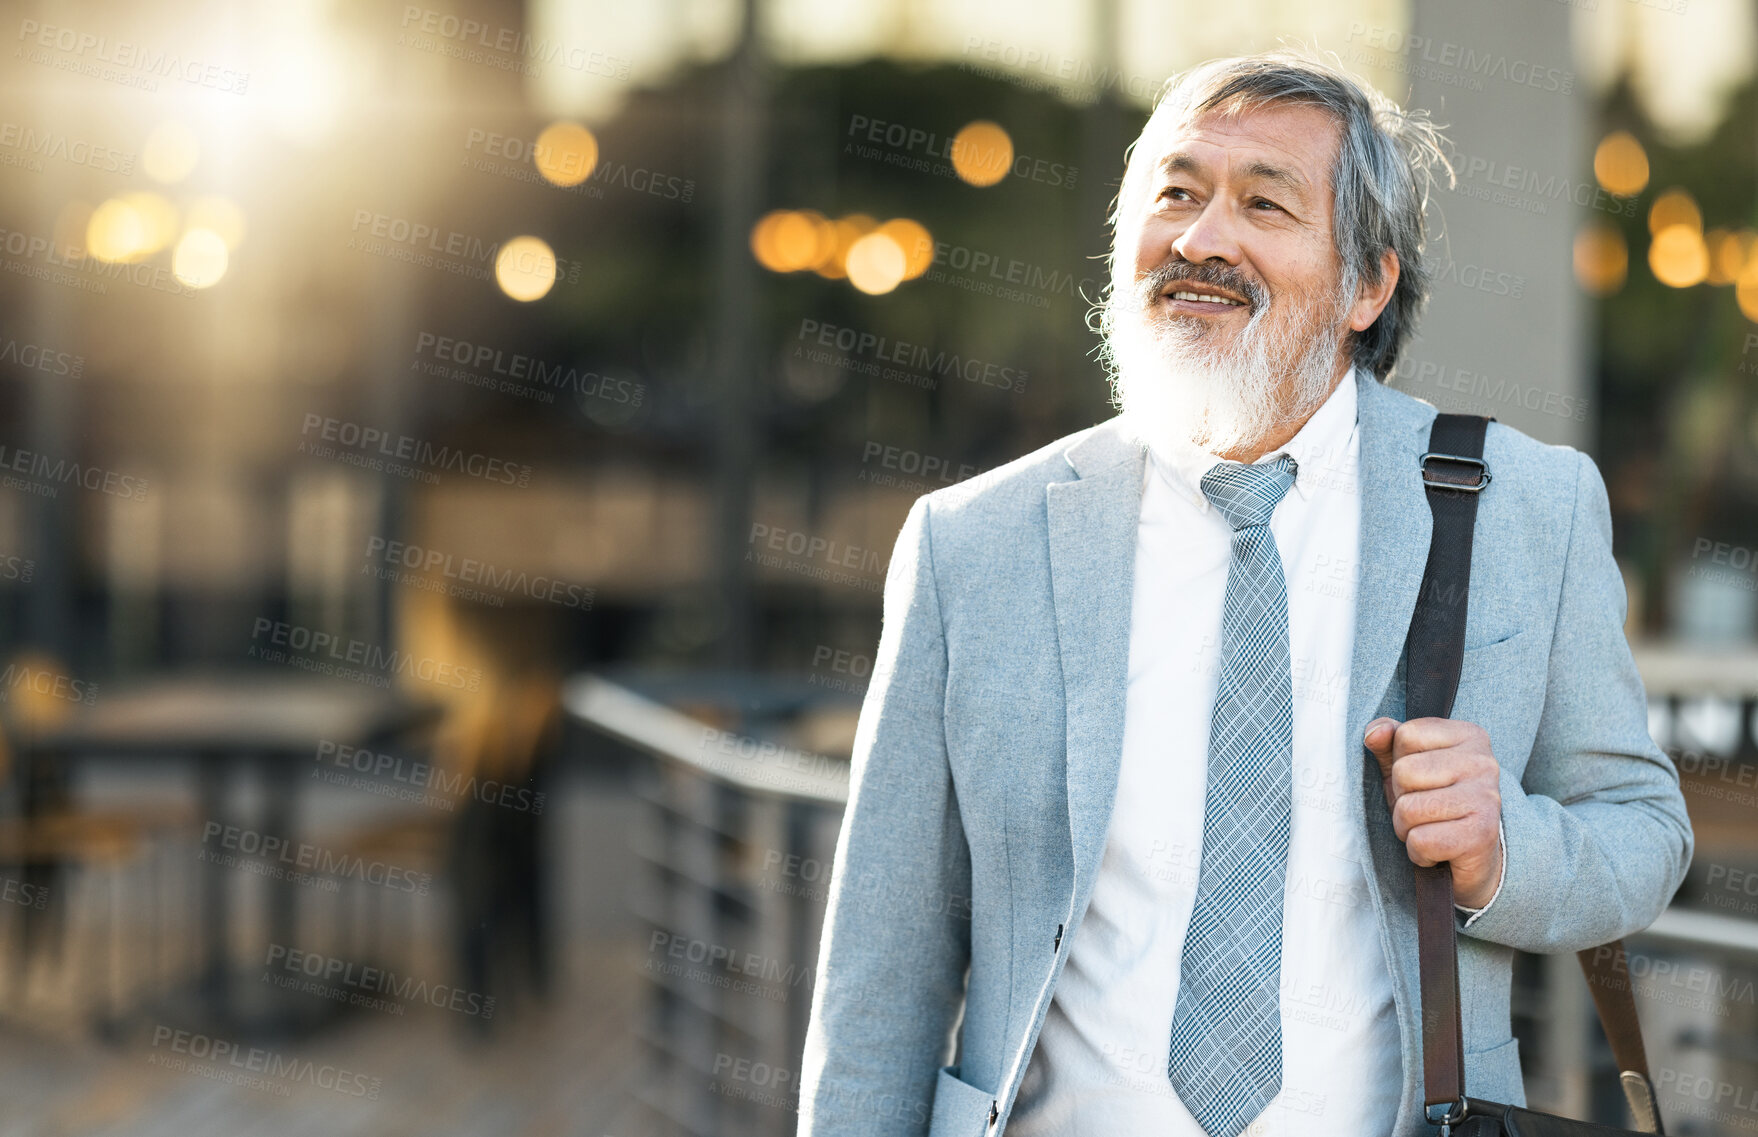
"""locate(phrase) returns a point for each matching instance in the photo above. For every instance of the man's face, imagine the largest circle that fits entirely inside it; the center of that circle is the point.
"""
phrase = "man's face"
(1232, 322)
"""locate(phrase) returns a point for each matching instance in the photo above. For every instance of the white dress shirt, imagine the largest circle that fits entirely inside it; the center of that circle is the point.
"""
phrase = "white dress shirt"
(1100, 1062)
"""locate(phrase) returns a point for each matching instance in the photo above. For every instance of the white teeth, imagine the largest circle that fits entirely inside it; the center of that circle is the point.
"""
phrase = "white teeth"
(1204, 298)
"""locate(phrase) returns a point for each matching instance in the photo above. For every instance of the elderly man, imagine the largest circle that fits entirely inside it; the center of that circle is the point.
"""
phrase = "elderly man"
(1129, 848)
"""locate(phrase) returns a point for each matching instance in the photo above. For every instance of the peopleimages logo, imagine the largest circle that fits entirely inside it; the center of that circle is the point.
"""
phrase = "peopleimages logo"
(35, 464)
(1006, 278)
(518, 150)
(1059, 72)
(24, 894)
(226, 1061)
(469, 571)
(923, 366)
(35, 357)
(228, 845)
(521, 374)
(42, 681)
(448, 786)
(33, 145)
(914, 463)
(516, 50)
(372, 445)
(119, 61)
(926, 151)
(1461, 59)
(331, 972)
(301, 646)
(71, 267)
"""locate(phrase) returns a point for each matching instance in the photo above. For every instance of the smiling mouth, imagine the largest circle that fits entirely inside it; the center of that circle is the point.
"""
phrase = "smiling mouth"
(1211, 299)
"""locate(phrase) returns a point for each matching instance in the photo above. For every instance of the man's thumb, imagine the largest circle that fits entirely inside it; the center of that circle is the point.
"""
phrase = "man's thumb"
(1379, 741)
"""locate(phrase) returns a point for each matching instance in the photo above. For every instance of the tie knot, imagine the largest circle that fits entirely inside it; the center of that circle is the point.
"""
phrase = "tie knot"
(1247, 495)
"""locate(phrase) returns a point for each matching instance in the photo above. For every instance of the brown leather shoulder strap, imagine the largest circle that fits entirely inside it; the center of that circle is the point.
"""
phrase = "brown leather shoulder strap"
(1608, 977)
(1454, 475)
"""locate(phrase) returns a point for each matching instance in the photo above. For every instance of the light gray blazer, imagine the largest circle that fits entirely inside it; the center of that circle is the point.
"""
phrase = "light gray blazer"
(986, 759)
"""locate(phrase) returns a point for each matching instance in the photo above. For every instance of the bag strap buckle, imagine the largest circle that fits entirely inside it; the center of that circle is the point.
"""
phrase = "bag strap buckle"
(1445, 1114)
(1441, 480)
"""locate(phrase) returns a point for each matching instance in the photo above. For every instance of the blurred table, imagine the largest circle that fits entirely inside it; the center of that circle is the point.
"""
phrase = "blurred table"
(269, 725)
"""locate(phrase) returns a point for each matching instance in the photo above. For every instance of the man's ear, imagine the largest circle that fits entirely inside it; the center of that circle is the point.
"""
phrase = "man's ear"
(1371, 300)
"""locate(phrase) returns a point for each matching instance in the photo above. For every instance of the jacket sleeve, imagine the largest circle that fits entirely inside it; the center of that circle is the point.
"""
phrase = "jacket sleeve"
(891, 966)
(1597, 835)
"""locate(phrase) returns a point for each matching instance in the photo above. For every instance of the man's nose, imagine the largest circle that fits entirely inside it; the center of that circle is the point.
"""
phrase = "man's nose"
(1211, 236)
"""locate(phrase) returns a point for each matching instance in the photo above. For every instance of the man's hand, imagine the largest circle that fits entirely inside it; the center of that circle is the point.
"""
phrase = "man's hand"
(1441, 784)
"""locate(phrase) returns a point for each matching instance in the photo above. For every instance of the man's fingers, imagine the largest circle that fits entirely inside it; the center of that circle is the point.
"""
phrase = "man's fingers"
(1412, 811)
(1444, 841)
(1419, 735)
(1431, 770)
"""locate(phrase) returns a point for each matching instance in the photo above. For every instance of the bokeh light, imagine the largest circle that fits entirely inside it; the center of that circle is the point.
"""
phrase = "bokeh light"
(566, 153)
(1678, 256)
(525, 268)
(1728, 251)
(791, 240)
(845, 231)
(796, 240)
(1746, 289)
(1602, 259)
(200, 258)
(875, 263)
(982, 153)
(913, 239)
(1620, 164)
(159, 216)
(115, 233)
(1674, 207)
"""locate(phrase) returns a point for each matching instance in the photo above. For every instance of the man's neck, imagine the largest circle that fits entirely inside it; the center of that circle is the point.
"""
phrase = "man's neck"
(1280, 436)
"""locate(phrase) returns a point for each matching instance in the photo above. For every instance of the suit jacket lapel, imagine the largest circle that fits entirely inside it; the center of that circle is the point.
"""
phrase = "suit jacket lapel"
(1395, 528)
(1092, 526)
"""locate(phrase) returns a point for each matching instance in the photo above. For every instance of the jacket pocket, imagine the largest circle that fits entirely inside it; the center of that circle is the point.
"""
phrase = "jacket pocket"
(1494, 1074)
(1489, 659)
(960, 1109)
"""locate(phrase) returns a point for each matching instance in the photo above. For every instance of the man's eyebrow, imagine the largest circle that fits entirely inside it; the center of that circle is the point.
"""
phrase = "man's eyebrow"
(1283, 177)
(1179, 162)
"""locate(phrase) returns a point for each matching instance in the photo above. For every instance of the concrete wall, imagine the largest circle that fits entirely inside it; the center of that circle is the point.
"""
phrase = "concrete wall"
(1505, 331)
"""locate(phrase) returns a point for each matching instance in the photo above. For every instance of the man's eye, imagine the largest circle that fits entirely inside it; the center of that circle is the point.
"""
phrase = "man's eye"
(1265, 202)
(1176, 193)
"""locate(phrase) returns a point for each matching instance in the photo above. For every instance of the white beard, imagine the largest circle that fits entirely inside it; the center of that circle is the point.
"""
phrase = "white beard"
(1174, 384)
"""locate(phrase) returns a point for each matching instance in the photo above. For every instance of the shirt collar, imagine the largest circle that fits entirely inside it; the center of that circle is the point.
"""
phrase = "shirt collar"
(1320, 450)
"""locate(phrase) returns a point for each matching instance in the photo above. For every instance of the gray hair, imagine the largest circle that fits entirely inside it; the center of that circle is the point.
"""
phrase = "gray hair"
(1388, 161)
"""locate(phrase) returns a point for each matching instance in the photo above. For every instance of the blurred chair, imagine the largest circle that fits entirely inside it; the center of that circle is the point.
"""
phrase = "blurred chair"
(83, 887)
(492, 754)
(497, 858)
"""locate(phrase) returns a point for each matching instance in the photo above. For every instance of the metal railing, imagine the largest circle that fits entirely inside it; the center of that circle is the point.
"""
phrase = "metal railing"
(738, 839)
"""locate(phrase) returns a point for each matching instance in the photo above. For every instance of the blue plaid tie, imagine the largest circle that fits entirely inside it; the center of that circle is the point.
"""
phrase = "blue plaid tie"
(1226, 1060)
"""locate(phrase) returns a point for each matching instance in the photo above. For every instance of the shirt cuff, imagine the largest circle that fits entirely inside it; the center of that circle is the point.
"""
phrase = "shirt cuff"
(1471, 914)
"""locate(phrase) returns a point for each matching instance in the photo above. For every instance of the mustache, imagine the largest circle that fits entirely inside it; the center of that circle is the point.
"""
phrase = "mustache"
(1217, 275)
